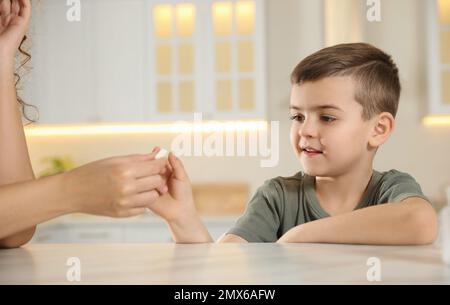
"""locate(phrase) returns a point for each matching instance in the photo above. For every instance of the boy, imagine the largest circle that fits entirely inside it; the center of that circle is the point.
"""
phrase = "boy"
(343, 105)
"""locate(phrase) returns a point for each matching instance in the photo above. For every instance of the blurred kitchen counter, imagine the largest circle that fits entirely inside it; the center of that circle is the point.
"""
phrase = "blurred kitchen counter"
(148, 228)
(219, 205)
(222, 264)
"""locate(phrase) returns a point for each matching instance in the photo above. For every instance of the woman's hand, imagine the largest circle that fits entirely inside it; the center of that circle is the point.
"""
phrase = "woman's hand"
(117, 187)
(14, 20)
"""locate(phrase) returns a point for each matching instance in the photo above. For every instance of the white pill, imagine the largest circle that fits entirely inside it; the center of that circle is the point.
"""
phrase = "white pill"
(162, 153)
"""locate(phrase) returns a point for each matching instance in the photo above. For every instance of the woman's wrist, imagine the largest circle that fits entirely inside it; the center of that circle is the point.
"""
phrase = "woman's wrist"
(7, 67)
(71, 198)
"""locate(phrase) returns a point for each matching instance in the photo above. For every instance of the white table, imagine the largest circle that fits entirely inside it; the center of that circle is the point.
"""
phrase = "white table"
(222, 264)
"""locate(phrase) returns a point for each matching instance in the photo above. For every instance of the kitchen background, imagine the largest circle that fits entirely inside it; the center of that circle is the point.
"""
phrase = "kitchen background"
(152, 63)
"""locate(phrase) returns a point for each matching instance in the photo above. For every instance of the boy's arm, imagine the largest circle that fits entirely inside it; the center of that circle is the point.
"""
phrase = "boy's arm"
(189, 230)
(177, 207)
(411, 222)
(232, 238)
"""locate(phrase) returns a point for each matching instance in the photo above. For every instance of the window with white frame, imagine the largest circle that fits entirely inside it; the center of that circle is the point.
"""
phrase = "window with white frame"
(439, 55)
(206, 56)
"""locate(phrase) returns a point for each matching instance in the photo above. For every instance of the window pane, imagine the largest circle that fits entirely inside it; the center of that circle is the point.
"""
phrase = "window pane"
(223, 18)
(223, 57)
(163, 17)
(446, 87)
(186, 59)
(164, 97)
(245, 17)
(245, 56)
(444, 11)
(163, 60)
(224, 96)
(445, 47)
(246, 94)
(185, 20)
(187, 96)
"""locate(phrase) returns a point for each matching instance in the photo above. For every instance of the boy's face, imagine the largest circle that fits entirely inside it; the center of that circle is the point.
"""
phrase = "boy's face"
(328, 132)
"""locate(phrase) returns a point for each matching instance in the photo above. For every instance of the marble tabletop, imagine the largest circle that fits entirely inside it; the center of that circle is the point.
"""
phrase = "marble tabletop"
(222, 264)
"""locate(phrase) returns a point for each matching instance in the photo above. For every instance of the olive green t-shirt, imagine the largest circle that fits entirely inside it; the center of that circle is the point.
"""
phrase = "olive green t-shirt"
(284, 203)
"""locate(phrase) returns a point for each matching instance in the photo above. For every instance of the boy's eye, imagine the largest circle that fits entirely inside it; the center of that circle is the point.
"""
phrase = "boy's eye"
(297, 117)
(328, 119)
(300, 118)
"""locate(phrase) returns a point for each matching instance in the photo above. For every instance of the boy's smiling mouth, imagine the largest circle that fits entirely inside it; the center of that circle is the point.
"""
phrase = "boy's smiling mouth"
(310, 151)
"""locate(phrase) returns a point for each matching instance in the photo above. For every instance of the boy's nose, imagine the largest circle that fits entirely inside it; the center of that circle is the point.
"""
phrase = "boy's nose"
(307, 129)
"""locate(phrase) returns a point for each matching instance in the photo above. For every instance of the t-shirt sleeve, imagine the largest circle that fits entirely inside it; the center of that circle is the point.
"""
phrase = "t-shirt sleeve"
(399, 186)
(261, 220)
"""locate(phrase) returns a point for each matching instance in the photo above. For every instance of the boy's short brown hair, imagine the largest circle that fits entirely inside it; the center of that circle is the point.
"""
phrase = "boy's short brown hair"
(375, 73)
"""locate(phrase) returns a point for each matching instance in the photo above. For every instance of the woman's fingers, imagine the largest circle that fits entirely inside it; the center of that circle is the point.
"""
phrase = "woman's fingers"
(5, 14)
(155, 152)
(15, 7)
(133, 212)
(150, 183)
(149, 168)
(146, 199)
(25, 8)
(5, 7)
(138, 157)
(141, 200)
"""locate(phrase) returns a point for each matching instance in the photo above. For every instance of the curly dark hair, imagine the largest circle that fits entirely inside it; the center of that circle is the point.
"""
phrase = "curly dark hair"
(25, 57)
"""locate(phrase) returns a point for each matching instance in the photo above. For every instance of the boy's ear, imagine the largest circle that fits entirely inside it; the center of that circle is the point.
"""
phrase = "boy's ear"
(383, 126)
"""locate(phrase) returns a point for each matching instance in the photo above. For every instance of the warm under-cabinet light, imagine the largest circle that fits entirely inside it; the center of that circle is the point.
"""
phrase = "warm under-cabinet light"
(444, 11)
(137, 129)
(437, 120)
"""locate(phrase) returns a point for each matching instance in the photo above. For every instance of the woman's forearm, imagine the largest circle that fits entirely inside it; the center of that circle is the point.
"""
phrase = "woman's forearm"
(15, 164)
(24, 205)
(407, 223)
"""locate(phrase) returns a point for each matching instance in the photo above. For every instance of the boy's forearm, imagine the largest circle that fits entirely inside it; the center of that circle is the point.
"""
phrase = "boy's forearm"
(407, 223)
(189, 230)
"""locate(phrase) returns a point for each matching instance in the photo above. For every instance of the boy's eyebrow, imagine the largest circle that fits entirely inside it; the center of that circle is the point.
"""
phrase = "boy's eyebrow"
(320, 107)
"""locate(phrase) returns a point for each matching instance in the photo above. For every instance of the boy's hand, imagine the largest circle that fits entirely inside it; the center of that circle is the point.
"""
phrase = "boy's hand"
(177, 206)
(178, 203)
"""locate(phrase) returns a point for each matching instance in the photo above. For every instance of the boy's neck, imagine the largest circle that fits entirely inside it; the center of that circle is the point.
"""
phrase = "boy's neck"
(342, 194)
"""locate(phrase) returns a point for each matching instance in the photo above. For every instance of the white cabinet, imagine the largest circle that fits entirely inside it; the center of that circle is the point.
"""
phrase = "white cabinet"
(62, 80)
(206, 56)
(438, 31)
(148, 60)
(88, 71)
(119, 55)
